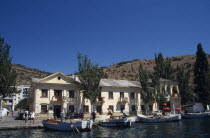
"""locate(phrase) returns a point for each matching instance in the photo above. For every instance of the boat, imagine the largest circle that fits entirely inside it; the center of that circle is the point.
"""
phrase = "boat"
(116, 121)
(72, 125)
(152, 119)
(195, 115)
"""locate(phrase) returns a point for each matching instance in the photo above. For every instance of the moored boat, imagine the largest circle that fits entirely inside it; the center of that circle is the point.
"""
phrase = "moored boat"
(195, 115)
(77, 125)
(152, 119)
(117, 122)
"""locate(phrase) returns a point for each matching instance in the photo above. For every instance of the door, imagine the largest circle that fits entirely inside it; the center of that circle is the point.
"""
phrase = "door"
(57, 110)
(122, 107)
(98, 108)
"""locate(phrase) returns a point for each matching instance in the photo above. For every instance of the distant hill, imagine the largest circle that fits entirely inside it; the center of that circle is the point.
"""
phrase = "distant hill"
(123, 70)
(25, 74)
(129, 69)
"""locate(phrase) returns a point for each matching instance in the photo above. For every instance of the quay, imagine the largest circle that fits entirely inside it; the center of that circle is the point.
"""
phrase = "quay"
(10, 123)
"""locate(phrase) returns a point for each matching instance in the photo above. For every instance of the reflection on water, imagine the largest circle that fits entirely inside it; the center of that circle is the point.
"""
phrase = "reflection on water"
(184, 128)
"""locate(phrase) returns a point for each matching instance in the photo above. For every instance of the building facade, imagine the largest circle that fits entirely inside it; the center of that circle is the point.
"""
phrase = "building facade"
(12, 101)
(50, 95)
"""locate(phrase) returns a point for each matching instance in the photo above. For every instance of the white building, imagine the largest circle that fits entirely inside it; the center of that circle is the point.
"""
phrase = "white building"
(58, 91)
(11, 102)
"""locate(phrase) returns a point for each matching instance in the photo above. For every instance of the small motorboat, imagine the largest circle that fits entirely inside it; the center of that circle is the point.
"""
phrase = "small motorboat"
(117, 122)
(72, 125)
(152, 119)
(195, 115)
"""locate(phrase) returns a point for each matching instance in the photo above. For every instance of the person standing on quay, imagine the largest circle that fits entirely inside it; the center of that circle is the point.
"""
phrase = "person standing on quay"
(32, 117)
(26, 116)
(94, 115)
(61, 115)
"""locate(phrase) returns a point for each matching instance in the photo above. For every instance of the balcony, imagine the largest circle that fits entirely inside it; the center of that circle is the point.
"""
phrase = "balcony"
(57, 98)
(175, 95)
(123, 100)
(99, 100)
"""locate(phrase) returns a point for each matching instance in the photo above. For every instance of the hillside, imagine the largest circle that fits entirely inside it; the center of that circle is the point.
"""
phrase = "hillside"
(123, 70)
(25, 74)
(129, 69)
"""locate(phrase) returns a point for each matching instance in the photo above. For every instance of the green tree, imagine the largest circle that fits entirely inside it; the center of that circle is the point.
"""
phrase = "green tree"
(159, 65)
(7, 73)
(183, 77)
(169, 72)
(22, 104)
(201, 70)
(163, 67)
(90, 76)
(147, 93)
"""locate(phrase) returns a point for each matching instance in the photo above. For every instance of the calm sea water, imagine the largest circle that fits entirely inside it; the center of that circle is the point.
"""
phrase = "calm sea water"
(185, 128)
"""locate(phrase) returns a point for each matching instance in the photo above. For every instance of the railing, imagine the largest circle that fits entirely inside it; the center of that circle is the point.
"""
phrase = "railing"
(175, 95)
(57, 98)
(125, 99)
(99, 99)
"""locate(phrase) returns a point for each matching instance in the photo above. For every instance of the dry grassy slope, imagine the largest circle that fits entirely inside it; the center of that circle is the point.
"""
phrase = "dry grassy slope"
(25, 74)
(123, 70)
(129, 69)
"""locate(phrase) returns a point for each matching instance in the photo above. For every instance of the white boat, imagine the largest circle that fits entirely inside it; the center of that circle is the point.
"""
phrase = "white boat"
(195, 115)
(73, 125)
(118, 122)
(152, 119)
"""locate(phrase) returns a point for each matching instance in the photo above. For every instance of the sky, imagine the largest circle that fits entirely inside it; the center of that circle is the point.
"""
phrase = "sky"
(48, 34)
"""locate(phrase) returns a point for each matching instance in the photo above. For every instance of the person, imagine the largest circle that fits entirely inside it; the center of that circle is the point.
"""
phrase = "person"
(101, 112)
(62, 115)
(94, 115)
(32, 114)
(7, 112)
(124, 113)
(26, 116)
(110, 112)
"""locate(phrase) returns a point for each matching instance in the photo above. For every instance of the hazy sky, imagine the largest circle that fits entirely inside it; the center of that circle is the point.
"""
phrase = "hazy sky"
(47, 34)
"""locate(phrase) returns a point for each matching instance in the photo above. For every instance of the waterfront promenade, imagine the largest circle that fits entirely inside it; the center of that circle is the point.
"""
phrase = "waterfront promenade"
(9, 122)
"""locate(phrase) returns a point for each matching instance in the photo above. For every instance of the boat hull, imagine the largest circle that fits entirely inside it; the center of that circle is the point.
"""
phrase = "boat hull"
(195, 115)
(145, 119)
(126, 122)
(72, 126)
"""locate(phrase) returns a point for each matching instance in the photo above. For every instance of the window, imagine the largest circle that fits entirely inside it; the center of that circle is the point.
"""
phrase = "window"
(71, 94)
(133, 108)
(10, 101)
(86, 109)
(142, 107)
(71, 108)
(110, 95)
(121, 94)
(44, 93)
(151, 107)
(132, 95)
(111, 107)
(43, 108)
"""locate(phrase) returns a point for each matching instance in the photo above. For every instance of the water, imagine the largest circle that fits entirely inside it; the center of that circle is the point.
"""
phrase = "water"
(185, 128)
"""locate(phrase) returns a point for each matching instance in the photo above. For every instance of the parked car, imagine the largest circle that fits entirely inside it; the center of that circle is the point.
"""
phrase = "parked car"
(21, 115)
